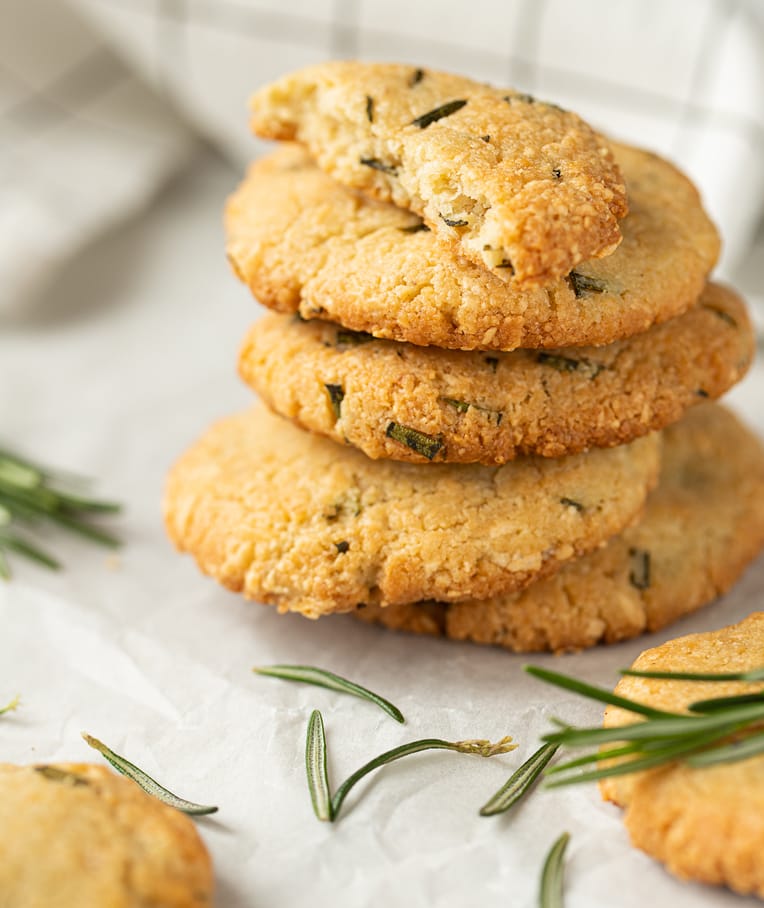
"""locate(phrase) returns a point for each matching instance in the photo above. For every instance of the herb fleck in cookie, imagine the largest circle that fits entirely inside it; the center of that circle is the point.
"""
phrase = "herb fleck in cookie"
(702, 526)
(520, 185)
(490, 408)
(302, 242)
(704, 824)
(295, 520)
(74, 834)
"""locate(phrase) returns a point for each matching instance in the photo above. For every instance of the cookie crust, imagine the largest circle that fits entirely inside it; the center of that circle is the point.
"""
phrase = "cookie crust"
(302, 242)
(77, 834)
(513, 182)
(702, 526)
(293, 519)
(492, 408)
(703, 824)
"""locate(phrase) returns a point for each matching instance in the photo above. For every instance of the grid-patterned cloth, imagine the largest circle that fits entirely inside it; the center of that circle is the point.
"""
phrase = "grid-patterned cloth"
(86, 143)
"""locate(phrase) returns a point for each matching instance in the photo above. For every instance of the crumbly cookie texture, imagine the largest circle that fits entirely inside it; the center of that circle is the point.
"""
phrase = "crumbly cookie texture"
(702, 526)
(491, 408)
(303, 242)
(75, 835)
(704, 824)
(293, 519)
(517, 184)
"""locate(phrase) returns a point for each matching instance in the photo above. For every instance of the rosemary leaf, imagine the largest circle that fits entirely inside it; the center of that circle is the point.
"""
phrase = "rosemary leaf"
(415, 228)
(479, 748)
(453, 222)
(594, 693)
(583, 284)
(55, 774)
(755, 674)
(15, 543)
(377, 164)
(426, 445)
(145, 781)
(308, 674)
(432, 116)
(720, 703)
(552, 874)
(519, 782)
(11, 705)
(751, 746)
(336, 396)
(315, 766)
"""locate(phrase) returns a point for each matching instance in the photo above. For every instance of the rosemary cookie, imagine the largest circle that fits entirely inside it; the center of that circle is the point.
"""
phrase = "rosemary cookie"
(465, 407)
(295, 520)
(74, 835)
(704, 824)
(302, 242)
(702, 526)
(518, 185)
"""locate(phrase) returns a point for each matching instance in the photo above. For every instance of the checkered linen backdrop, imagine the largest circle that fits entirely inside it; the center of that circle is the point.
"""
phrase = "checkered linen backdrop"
(100, 99)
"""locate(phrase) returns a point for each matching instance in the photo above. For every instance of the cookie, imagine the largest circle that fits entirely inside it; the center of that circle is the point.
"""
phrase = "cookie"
(302, 242)
(702, 526)
(295, 520)
(493, 408)
(74, 834)
(517, 185)
(704, 824)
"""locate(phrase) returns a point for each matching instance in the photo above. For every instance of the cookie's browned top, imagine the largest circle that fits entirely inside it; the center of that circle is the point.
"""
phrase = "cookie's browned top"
(520, 185)
(303, 242)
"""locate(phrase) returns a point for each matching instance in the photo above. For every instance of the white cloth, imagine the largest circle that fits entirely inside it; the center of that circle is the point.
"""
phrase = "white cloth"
(85, 143)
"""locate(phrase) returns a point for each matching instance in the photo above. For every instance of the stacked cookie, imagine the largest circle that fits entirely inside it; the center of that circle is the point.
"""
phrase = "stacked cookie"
(483, 313)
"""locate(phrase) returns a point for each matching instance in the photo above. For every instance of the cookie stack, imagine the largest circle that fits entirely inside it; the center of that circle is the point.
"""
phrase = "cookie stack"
(483, 314)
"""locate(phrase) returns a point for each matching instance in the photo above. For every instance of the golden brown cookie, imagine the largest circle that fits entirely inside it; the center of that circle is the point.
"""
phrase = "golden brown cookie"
(702, 526)
(704, 824)
(490, 408)
(304, 243)
(74, 835)
(517, 184)
(295, 520)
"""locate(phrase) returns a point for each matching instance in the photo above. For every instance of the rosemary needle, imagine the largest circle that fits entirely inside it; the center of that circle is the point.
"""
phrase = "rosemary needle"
(552, 874)
(308, 674)
(755, 674)
(145, 781)
(315, 765)
(519, 782)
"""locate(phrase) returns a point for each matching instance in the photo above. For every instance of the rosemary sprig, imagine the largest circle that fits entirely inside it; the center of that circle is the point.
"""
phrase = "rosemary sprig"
(552, 874)
(30, 494)
(315, 761)
(520, 782)
(149, 785)
(11, 705)
(713, 731)
(309, 674)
